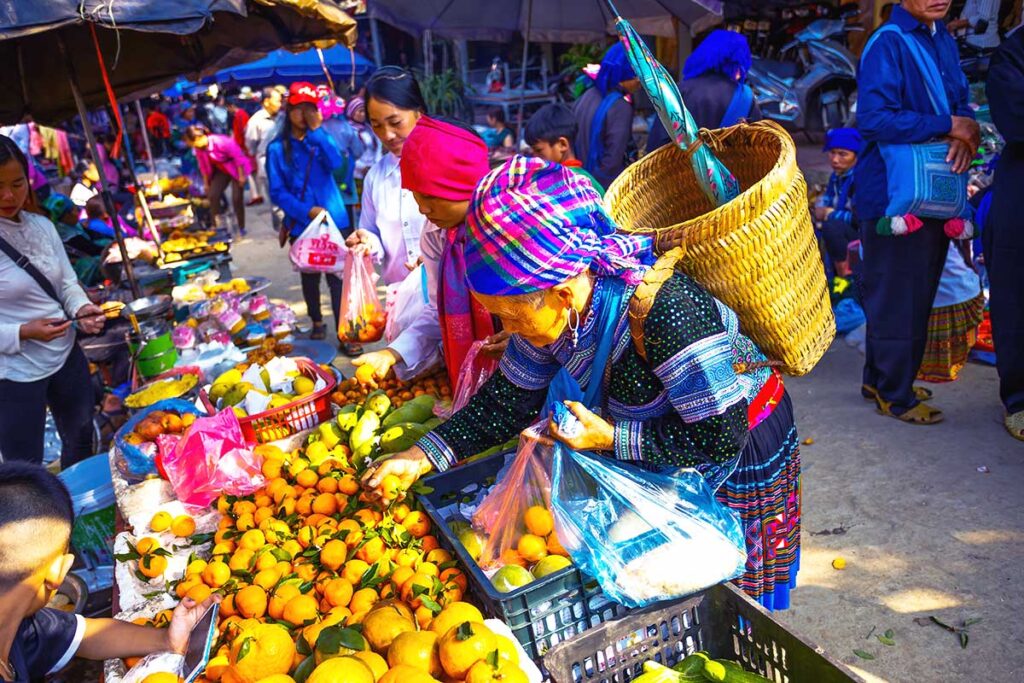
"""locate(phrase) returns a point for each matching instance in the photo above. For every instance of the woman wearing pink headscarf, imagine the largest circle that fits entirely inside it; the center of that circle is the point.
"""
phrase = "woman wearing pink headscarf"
(222, 162)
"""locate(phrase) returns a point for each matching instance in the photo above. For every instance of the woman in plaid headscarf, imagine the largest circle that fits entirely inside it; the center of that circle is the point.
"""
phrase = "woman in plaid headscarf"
(543, 256)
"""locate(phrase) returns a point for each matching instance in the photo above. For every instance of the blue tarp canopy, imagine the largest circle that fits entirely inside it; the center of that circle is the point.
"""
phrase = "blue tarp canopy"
(282, 66)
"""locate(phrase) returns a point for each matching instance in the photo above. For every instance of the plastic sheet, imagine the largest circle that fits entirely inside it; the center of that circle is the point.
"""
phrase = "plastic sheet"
(212, 458)
(645, 537)
(139, 460)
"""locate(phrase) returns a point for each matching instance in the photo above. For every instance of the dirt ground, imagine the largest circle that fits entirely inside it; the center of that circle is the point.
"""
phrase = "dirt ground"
(923, 531)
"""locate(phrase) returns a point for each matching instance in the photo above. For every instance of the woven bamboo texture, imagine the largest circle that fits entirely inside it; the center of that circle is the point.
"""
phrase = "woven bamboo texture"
(757, 253)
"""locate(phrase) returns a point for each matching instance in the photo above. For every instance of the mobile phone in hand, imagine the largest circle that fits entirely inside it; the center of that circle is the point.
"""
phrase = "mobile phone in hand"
(199, 643)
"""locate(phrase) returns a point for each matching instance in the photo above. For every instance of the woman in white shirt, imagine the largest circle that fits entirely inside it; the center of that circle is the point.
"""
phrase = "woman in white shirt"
(40, 362)
(391, 227)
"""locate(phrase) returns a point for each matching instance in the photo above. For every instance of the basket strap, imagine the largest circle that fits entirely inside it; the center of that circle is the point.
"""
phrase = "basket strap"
(643, 298)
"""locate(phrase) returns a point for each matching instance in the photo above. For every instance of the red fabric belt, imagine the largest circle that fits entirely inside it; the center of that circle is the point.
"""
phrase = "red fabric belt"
(766, 400)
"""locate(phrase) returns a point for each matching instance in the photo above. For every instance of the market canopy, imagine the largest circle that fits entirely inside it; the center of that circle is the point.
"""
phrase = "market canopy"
(563, 21)
(146, 45)
(282, 66)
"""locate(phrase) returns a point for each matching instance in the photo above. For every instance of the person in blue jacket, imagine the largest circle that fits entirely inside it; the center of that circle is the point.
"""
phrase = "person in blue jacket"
(300, 165)
(901, 273)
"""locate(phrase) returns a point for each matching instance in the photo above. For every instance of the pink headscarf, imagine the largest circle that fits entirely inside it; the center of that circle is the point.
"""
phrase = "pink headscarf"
(442, 160)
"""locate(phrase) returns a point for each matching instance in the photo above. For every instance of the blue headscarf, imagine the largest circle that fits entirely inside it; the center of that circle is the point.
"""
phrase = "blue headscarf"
(725, 52)
(844, 138)
(615, 68)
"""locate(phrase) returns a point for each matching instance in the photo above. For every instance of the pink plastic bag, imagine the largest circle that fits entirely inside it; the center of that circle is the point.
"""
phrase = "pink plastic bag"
(211, 458)
(362, 316)
(320, 248)
(475, 370)
(522, 484)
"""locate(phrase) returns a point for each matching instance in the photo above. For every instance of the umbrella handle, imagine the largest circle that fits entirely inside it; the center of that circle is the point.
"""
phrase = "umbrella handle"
(611, 6)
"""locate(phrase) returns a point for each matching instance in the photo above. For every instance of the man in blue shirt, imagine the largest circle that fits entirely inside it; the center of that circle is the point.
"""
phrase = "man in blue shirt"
(901, 273)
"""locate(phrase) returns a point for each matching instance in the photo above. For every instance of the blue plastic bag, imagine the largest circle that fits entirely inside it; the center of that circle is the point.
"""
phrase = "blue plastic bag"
(644, 536)
(138, 461)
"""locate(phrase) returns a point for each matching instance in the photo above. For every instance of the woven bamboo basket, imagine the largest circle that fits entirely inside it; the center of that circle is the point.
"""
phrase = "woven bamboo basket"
(757, 253)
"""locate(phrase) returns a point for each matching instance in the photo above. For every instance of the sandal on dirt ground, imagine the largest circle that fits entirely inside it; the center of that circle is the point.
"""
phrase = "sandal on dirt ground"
(921, 414)
(920, 393)
(1014, 424)
(319, 331)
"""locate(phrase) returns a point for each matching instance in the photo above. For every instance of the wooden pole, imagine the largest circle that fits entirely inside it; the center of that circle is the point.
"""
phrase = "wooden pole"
(145, 137)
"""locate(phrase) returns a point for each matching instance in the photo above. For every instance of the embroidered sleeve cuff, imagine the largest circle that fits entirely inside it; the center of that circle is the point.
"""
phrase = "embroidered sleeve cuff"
(439, 453)
(628, 440)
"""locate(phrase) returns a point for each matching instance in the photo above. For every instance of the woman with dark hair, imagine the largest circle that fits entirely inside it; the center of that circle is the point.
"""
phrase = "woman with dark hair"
(40, 363)
(391, 225)
(222, 162)
(714, 85)
(605, 118)
(300, 165)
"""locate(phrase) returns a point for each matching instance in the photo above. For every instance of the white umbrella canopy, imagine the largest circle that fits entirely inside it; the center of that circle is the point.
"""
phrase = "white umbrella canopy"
(561, 21)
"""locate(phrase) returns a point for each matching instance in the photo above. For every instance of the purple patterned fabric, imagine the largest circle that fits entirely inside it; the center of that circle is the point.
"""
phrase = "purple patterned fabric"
(533, 225)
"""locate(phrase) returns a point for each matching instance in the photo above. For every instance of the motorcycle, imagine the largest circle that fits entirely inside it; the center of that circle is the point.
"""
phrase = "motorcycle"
(813, 84)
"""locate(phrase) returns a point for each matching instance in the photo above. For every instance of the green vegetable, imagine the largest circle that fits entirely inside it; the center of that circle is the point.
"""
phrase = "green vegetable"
(377, 402)
(401, 437)
(364, 432)
(418, 411)
(348, 417)
(714, 671)
(656, 673)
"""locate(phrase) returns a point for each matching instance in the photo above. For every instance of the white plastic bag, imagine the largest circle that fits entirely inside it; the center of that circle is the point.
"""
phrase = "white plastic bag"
(320, 248)
(405, 300)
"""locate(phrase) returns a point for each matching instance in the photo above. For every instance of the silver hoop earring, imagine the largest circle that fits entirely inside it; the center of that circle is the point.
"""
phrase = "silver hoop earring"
(574, 327)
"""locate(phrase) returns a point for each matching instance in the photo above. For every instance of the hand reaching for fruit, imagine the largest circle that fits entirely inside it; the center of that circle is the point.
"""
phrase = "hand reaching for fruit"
(375, 365)
(390, 478)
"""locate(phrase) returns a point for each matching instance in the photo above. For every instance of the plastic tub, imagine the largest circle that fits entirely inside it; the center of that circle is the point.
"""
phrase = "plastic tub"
(92, 495)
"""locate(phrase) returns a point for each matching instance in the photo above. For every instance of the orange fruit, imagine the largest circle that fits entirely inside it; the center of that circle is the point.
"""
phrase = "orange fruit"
(438, 556)
(245, 522)
(266, 579)
(539, 520)
(512, 556)
(417, 585)
(241, 560)
(338, 669)
(555, 546)
(271, 469)
(424, 617)
(195, 567)
(259, 651)
(183, 526)
(253, 539)
(348, 485)
(146, 545)
(187, 584)
(216, 574)
(428, 543)
(364, 374)
(407, 557)
(371, 551)
(417, 649)
(505, 672)
(390, 486)
(453, 576)
(161, 522)
(400, 512)
(152, 566)
(333, 554)
(532, 548)
(280, 597)
(265, 560)
(251, 602)
(453, 615)
(338, 592)
(325, 504)
(417, 523)
(428, 568)
(327, 485)
(377, 664)
(353, 571)
(382, 626)
(463, 646)
(300, 609)
(406, 674)
(242, 507)
(362, 600)
(401, 575)
(199, 592)
(307, 478)
(227, 606)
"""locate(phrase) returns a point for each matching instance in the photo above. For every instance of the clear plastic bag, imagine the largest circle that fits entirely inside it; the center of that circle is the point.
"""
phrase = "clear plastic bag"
(405, 301)
(320, 248)
(362, 316)
(524, 483)
(644, 536)
(475, 370)
(210, 459)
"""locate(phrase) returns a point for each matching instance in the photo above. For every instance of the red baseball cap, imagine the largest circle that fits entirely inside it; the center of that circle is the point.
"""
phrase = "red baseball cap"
(302, 93)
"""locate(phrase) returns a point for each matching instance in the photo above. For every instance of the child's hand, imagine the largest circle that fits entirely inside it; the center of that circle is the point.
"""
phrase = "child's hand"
(184, 618)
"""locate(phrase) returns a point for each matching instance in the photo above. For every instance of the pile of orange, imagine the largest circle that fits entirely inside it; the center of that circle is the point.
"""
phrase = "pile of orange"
(307, 557)
(356, 389)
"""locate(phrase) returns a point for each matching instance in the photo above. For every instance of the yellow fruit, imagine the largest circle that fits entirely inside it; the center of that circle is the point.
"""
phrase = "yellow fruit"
(453, 615)
(364, 374)
(406, 674)
(839, 563)
(152, 566)
(417, 649)
(465, 645)
(266, 579)
(333, 555)
(338, 592)
(377, 665)
(161, 522)
(253, 539)
(260, 650)
(251, 602)
(277, 678)
(302, 385)
(147, 545)
(382, 626)
(300, 609)
(532, 548)
(216, 574)
(199, 592)
(505, 672)
(216, 667)
(507, 649)
(347, 669)
(538, 520)
(353, 571)
(162, 677)
(195, 567)
(183, 526)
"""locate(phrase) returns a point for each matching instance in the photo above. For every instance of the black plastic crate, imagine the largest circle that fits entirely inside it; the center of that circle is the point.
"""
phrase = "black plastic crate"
(541, 614)
(721, 620)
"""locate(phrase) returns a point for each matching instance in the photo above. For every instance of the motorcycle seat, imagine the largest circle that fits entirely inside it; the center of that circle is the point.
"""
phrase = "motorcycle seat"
(787, 71)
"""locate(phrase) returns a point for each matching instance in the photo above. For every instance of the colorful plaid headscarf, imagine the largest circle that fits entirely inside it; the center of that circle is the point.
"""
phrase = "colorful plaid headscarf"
(533, 225)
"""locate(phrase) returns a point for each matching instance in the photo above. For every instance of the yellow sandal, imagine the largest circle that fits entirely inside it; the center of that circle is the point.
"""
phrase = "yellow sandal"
(921, 414)
(1015, 424)
(920, 393)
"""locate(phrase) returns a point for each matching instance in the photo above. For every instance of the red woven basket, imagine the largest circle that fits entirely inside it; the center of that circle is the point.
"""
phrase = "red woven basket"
(302, 413)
